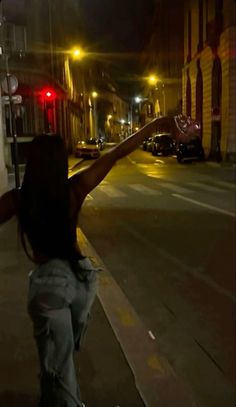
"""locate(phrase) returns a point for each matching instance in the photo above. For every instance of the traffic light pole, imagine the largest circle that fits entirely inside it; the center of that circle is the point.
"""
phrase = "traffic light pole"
(13, 127)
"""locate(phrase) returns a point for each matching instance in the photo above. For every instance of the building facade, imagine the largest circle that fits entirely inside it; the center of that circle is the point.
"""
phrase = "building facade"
(209, 74)
(56, 90)
(163, 57)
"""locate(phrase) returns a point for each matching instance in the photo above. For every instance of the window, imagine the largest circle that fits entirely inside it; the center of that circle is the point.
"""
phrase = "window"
(14, 37)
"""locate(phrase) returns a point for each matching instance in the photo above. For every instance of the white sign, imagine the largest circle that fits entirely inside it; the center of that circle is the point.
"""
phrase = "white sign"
(13, 84)
(17, 99)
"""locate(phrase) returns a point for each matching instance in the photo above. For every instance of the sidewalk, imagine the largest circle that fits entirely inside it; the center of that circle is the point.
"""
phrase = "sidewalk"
(103, 372)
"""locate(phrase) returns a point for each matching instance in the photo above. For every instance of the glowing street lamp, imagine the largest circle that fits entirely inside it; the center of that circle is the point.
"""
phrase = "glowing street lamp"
(138, 99)
(152, 79)
(94, 94)
(77, 53)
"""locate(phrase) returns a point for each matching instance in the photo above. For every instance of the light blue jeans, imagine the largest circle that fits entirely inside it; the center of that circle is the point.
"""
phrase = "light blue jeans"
(59, 303)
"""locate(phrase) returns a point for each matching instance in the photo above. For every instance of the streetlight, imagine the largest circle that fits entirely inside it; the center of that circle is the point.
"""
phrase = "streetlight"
(137, 100)
(152, 80)
(77, 53)
(164, 99)
(94, 95)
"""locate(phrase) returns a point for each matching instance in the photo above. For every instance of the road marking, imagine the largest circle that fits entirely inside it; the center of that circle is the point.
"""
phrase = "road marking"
(132, 161)
(204, 205)
(89, 197)
(152, 175)
(143, 165)
(151, 335)
(158, 162)
(110, 191)
(145, 190)
(174, 187)
(225, 184)
(205, 187)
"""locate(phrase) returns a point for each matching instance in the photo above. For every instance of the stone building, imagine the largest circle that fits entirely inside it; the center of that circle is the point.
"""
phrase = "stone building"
(209, 73)
(163, 57)
(37, 39)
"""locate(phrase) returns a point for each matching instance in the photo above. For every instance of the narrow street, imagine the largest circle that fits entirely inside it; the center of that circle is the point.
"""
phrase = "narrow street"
(166, 232)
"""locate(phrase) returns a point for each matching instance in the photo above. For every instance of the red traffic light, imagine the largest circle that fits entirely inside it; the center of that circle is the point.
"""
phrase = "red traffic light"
(48, 94)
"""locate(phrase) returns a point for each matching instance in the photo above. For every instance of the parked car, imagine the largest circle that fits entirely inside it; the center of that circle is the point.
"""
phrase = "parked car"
(87, 149)
(190, 151)
(147, 144)
(162, 144)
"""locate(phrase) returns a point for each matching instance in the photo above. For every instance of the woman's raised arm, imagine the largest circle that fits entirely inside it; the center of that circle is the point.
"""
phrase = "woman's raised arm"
(87, 179)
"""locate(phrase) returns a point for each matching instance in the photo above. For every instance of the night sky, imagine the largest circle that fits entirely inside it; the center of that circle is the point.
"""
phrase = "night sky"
(120, 29)
(120, 26)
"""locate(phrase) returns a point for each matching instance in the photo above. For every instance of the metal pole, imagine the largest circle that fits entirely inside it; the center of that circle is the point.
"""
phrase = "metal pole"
(95, 118)
(131, 117)
(13, 127)
(164, 99)
(51, 36)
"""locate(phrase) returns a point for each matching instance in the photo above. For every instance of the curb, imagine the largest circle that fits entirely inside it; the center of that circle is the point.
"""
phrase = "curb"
(72, 166)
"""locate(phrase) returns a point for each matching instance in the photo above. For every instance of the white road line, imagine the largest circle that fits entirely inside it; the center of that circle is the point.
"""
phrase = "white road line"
(111, 191)
(89, 197)
(145, 190)
(152, 175)
(143, 165)
(158, 162)
(132, 161)
(227, 184)
(211, 207)
(174, 187)
(205, 187)
(151, 335)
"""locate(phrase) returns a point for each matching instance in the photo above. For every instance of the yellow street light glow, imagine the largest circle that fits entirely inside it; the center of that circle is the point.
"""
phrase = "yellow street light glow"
(94, 94)
(77, 53)
(152, 79)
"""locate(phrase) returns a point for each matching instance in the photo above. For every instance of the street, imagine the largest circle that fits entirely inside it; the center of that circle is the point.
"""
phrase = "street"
(166, 232)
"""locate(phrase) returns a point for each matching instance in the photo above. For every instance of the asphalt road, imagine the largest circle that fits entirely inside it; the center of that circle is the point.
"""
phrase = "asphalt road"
(166, 232)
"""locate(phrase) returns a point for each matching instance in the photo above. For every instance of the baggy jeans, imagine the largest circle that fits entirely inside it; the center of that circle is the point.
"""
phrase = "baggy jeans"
(59, 303)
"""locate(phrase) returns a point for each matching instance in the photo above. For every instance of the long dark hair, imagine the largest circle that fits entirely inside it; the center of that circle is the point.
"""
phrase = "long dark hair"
(44, 200)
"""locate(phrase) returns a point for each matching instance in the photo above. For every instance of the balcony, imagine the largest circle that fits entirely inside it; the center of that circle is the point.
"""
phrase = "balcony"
(213, 31)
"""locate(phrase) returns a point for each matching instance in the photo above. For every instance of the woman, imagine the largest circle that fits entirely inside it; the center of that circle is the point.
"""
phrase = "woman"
(63, 284)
